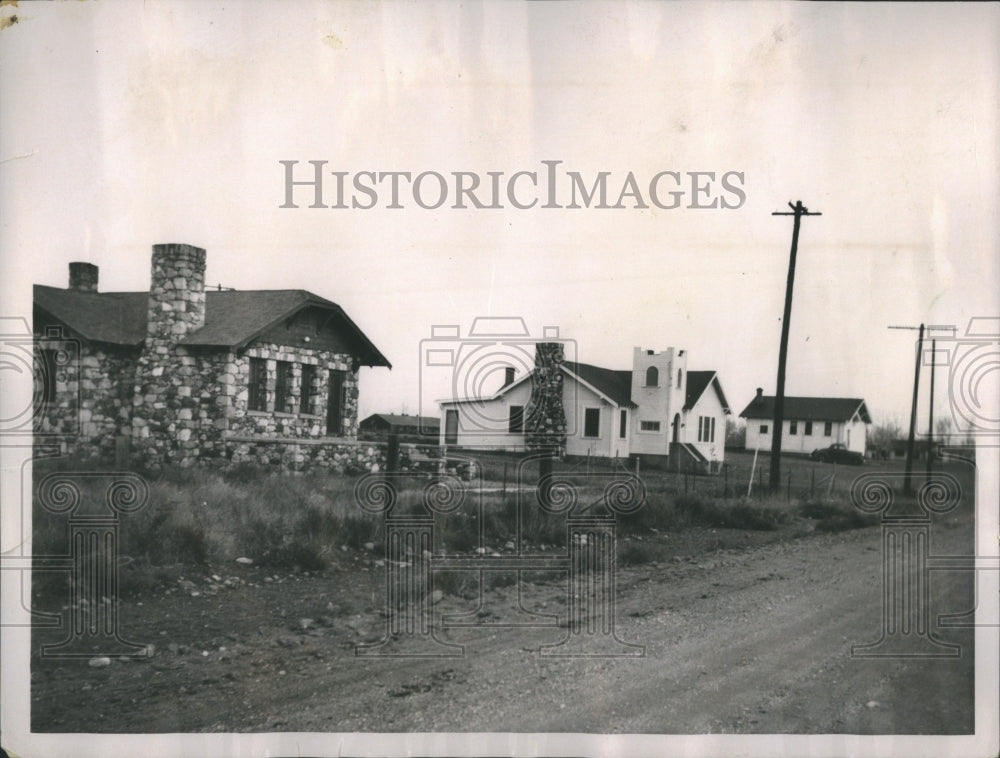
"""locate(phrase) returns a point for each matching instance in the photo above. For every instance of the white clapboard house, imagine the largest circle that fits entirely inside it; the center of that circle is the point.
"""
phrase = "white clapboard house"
(810, 423)
(658, 411)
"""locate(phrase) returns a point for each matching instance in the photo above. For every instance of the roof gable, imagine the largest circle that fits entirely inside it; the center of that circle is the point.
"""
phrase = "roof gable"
(697, 383)
(809, 408)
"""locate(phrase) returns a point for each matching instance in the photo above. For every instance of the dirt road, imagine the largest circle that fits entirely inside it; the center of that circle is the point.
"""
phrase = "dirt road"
(744, 640)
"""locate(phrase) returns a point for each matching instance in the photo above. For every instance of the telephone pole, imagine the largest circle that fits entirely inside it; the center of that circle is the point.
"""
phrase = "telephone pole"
(907, 487)
(930, 417)
(798, 211)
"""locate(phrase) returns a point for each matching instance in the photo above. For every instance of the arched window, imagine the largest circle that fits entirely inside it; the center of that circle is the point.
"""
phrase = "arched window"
(680, 374)
(652, 377)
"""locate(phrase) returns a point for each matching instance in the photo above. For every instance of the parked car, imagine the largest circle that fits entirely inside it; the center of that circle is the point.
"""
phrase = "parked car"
(838, 453)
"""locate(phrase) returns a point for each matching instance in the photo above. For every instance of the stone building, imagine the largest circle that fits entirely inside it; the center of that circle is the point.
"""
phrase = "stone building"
(185, 375)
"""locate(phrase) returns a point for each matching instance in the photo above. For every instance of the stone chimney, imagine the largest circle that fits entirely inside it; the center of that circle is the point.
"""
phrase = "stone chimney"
(508, 376)
(760, 396)
(165, 404)
(176, 292)
(545, 417)
(82, 277)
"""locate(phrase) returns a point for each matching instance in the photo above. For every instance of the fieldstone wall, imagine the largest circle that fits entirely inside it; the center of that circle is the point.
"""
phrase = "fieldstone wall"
(93, 396)
(107, 377)
(545, 417)
(339, 456)
(290, 422)
(188, 413)
(61, 368)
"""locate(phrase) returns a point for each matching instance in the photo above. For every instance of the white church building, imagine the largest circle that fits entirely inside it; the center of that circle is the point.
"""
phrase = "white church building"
(656, 410)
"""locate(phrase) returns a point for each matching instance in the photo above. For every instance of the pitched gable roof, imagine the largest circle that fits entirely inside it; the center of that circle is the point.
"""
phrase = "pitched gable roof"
(809, 408)
(118, 318)
(697, 383)
(232, 318)
(615, 385)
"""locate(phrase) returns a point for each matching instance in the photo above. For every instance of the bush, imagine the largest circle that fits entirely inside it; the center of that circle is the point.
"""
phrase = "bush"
(632, 553)
(836, 517)
(739, 516)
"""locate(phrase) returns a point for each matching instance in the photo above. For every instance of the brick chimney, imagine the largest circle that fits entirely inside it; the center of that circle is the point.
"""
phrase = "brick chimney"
(82, 277)
(176, 292)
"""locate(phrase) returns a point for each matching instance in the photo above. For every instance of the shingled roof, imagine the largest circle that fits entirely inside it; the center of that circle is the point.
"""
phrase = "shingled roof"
(697, 383)
(809, 408)
(232, 318)
(616, 385)
(117, 318)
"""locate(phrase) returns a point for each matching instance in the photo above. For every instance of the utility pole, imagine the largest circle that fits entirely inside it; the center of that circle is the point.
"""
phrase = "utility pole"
(907, 488)
(798, 211)
(930, 416)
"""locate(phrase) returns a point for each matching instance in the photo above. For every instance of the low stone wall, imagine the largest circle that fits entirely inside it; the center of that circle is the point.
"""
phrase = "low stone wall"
(342, 456)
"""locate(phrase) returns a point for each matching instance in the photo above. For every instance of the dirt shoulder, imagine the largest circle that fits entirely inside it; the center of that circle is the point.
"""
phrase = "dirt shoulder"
(750, 637)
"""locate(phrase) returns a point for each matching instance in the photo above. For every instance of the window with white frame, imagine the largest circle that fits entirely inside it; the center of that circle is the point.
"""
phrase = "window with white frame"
(706, 429)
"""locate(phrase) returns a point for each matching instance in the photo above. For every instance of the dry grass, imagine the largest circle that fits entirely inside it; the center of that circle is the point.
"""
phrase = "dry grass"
(201, 518)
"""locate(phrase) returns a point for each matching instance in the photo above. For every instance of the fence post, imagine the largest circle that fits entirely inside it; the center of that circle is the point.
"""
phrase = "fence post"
(812, 483)
(725, 485)
(544, 479)
(392, 454)
(789, 495)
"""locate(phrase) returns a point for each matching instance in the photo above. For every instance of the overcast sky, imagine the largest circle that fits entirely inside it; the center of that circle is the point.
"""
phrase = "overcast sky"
(129, 124)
